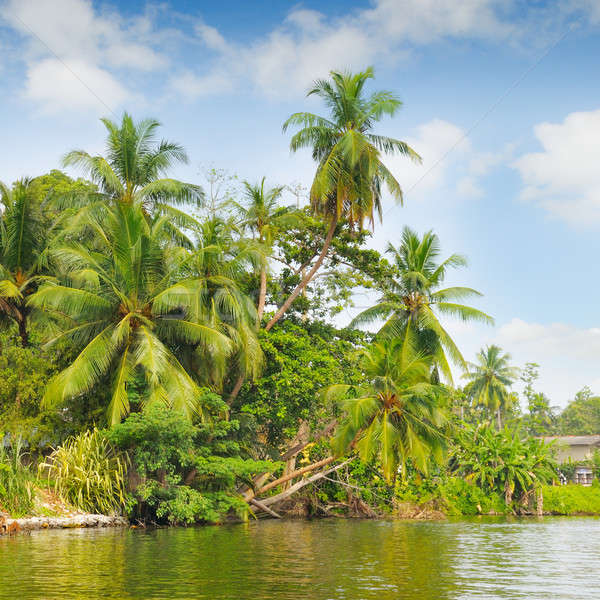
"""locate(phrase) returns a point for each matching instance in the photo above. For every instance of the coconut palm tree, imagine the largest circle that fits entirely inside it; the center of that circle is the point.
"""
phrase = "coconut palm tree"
(264, 217)
(134, 171)
(350, 171)
(489, 380)
(397, 414)
(24, 235)
(225, 260)
(127, 305)
(416, 299)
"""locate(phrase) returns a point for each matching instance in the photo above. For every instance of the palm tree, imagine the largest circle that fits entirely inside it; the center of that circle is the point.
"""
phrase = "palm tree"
(414, 300)
(396, 415)
(262, 214)
(126, 306)
(350, 172)
(24, 233)
(134, 170)
(225, 260)
(490, 379)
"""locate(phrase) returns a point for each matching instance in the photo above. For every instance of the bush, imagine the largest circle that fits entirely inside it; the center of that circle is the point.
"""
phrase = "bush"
(572, 499)
(87, 473)
(16, 480)
(185, 473)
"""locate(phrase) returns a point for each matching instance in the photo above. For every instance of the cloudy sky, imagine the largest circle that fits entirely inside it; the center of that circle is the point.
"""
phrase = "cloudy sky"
(501, 99)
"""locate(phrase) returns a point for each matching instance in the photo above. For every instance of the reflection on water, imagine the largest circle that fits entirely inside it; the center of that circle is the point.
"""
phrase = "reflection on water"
(556, 558)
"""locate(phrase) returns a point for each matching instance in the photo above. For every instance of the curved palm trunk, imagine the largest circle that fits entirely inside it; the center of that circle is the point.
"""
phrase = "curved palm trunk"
(306, 279)
(236, 389)
(262, 294)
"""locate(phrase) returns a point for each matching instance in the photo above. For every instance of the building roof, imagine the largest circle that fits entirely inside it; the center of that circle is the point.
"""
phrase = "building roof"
(574, 440)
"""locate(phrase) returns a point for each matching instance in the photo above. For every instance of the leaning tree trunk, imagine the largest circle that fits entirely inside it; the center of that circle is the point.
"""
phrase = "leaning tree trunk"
(307, 278)
(262, 294)
(316, 465)
(271, 500)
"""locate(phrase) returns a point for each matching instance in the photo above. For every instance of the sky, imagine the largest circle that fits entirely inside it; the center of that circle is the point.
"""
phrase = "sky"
(501, 98)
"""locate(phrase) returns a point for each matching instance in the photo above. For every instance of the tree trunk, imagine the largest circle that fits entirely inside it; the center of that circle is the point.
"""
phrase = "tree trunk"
(307, 278)
(539, 502)
(321, 463)
(290, 453)
(236, 389)
(23, 331)
(262, 295)
(264, 507)
(499, 418)
(300, 484)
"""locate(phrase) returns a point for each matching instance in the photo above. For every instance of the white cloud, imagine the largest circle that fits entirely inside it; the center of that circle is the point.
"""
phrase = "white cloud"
(450, 163)
(564, 177)
(191, 86)
(93, 45)
(424, 21)
(307, 45)
(568, 356)
(56, 87)
(440, 144)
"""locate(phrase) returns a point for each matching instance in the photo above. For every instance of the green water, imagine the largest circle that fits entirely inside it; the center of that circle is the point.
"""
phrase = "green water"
(556, 558)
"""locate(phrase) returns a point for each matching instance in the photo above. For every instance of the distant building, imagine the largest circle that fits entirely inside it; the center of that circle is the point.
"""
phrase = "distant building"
(576, 448)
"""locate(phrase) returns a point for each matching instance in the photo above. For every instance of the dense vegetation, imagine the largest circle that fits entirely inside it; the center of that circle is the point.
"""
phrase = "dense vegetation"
(172, 354)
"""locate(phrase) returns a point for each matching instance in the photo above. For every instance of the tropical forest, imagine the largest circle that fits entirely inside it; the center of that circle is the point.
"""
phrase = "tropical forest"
(170, 351)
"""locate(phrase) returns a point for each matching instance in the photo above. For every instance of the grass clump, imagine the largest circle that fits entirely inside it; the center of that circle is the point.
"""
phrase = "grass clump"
(87, 473)
(16, 480)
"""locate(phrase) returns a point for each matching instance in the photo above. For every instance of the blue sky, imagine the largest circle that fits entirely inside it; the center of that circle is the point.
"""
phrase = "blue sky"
(501, 98)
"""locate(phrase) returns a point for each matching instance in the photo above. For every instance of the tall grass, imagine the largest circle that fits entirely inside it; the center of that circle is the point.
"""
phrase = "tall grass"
(86, 472)
(16, 480)
(572, 499)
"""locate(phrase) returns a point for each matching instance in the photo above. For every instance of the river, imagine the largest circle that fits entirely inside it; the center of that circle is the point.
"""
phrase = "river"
(556, 558)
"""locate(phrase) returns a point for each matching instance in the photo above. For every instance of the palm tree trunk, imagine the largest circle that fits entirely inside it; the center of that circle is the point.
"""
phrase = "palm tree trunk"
(306, 279)
(499, 418)
(23, 334)
(236, 389)
(262, 294)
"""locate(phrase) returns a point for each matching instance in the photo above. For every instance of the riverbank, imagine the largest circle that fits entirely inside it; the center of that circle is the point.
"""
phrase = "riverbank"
(11, 526)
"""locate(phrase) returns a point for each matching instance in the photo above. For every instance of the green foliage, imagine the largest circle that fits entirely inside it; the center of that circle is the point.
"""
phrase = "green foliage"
(186, 473)
(16, 480)
(86, 472)
(350, 173)
(300, 360)
(396, 414)
(502, 462)
(124, 308)
(453, 495)
(572, 499)
(24, 373)
(582, 415)
(414, 298)
(489, 380)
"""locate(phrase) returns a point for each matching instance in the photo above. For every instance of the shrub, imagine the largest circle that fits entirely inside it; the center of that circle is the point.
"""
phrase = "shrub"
(16, 480)
(571, 499)
(187, 473)
(87, 473)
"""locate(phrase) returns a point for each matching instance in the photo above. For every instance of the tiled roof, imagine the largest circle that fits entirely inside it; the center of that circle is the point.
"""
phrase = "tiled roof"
(574, 440)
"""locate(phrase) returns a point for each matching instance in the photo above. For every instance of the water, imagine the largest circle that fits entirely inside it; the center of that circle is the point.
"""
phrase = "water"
(556, 558)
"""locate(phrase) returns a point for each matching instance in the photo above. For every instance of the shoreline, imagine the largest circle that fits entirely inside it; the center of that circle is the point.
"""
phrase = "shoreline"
(13, 526)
